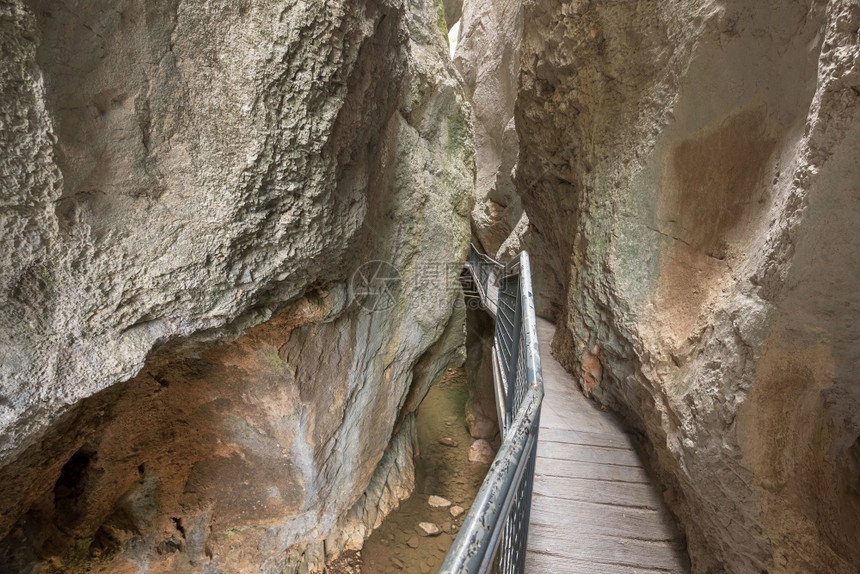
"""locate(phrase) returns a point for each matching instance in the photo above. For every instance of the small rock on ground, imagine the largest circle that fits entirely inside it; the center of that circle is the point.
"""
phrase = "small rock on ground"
(448, 441)
(457, 511)
(438, 502)
(413, 542)
(429, 529)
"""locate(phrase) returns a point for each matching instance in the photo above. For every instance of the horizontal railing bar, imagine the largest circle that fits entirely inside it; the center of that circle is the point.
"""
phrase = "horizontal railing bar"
(486, 516)
(522, 464)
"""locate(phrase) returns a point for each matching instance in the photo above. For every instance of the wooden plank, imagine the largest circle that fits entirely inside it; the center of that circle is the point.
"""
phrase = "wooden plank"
(588, 453)
(664, 555)
(583, 414)
(562, 413)
(565, 406)
(616, 493)
(555, 415)
(572, 516)
(592, 470)
(594, 509)
(542, 563)
(555, 434)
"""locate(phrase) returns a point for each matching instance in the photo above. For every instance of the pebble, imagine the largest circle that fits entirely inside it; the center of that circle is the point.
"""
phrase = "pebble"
(457, 511)
(413, 542)
(429, 529)
(448, 441)
(398, 562)
(438, 502)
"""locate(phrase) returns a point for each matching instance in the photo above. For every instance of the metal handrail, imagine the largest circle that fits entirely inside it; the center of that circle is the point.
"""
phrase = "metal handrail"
(494, 535)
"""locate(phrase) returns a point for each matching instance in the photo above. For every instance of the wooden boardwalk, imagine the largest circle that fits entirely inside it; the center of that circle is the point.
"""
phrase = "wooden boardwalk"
(594, 510)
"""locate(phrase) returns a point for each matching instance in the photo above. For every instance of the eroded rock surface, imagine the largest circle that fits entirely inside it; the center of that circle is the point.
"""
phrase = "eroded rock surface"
(187, 190)
(453, 11)
(488, 57)
(690, 174)
(482, 419)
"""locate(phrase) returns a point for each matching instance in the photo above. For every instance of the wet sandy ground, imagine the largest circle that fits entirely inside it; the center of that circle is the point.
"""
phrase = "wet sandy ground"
(398, 546)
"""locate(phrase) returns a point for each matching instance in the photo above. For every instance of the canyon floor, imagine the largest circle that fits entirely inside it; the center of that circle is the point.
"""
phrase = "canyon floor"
(440, 470)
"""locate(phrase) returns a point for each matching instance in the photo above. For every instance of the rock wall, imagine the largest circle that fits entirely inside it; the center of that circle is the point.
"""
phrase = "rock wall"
(690, 174)
(482, 417)
(488, 57)
(453, 11)
(187, 382)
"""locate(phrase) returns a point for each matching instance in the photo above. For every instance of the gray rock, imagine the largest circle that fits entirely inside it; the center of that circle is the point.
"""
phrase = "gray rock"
(481, 412)
(488, 57)
(453, 11)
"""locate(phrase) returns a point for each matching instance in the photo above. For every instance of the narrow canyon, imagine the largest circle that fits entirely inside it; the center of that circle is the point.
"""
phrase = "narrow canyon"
(232, 237)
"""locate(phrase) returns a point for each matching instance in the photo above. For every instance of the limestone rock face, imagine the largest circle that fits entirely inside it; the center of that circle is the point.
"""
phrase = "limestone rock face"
(187, 380)
(481, 414)
(488, 57)
(690, 174)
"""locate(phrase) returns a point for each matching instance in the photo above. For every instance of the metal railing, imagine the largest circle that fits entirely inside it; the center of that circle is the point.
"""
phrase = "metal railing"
(494, 535)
